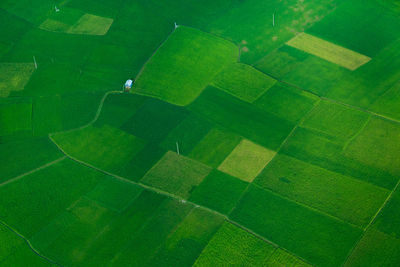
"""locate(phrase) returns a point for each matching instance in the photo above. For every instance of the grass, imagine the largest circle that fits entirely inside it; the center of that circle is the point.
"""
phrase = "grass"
(344, 197)
(243, 81)
(336, 54)
(218, 191)
(232, 245)
(246, 161)
(176, 174)
(184, 65)
(317, 238)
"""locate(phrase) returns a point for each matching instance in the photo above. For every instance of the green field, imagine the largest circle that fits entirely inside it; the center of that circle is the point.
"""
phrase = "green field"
(255, 133)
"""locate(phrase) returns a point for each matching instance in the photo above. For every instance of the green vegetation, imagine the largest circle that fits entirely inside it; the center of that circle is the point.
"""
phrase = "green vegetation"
(246, 161)
(234, 246)
(176, 174)
(184, 65)
(256, 133)
(218, 191)
(243, 81)
(312, 235)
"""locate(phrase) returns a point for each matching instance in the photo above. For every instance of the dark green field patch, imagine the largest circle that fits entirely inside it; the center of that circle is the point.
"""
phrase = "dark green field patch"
(34, 200)
(15, 118)
(154, 120)
(375, 249)
(389, 103)
(145, 243)
(115, 194)
(218, 191)
(176, 174)
(242, 118)
(342, 196)
(243, 81)
(215, 147)
(18, 157)
(388, 220)
(185, 244)
(286, 102)
(187, 134)
(116, 151)
(233, 246)
(184, 65)
(317, 238)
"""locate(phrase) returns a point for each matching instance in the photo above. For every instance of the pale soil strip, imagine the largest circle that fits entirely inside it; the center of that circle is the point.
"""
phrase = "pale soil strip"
(32, 171)
(329, 51)
(371, 222)
(29, 243)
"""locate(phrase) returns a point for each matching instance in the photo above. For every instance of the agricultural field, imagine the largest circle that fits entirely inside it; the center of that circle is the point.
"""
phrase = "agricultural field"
(255, 133)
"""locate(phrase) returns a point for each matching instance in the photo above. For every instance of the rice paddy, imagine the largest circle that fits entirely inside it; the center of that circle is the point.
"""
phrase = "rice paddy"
(256, 133)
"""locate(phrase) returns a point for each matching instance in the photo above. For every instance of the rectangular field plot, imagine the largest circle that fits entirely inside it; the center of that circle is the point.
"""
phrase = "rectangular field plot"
(14, 77)
(176, 174)
(342, 196)
(184, 65)
(247, 160)
(15, 118)
(91, 24)
(218, 191)
(286, 102)
(215, 147)
(34, 200)
(333, 53)
(315, 237)
(184, 245)
(375, 249)
(233, 246)
(116, 150)
(336, 120)
(242, 118)
(243, 81)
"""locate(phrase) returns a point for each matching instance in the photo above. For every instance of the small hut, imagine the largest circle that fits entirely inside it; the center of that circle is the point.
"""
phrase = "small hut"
(128, 85)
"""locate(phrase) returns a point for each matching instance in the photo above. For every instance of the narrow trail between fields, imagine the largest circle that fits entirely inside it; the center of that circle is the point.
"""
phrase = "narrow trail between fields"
(29, 244)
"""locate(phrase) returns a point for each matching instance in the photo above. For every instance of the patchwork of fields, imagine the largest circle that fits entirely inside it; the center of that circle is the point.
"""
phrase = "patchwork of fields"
(257, 133)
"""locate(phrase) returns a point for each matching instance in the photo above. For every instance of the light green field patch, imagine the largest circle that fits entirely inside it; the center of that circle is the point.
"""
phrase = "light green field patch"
(92, 25)
(105, 147)
(243, 81)
(14, 77)
(54, 25)
(176, 174)
(184, 65)
(247, 160)
(326, 50)
(282, 258)
(232, 246)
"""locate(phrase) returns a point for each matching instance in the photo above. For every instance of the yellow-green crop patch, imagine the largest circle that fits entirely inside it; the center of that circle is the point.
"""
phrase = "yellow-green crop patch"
(184, 65)
(247, 160)
(176, 174)
(14, 77)
(233, 246)
(326, 50)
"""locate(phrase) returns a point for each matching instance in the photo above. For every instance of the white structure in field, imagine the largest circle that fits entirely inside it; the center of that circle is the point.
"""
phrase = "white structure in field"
(128, 85)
